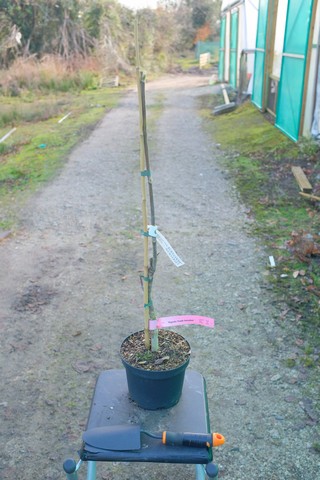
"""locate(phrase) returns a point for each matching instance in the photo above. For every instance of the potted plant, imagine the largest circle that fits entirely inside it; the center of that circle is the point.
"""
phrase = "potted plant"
(155, 360)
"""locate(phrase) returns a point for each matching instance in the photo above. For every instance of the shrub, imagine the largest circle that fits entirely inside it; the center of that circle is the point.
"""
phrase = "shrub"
(52, 73)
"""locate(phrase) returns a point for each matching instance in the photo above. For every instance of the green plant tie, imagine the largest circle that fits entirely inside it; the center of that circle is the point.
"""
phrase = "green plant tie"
(145, 173)
(146, 305)
(145, 234)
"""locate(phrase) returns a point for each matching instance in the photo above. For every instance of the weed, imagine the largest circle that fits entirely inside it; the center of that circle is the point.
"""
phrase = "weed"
(145, 357)
(308, 362)
(316, 446)
(290, 362)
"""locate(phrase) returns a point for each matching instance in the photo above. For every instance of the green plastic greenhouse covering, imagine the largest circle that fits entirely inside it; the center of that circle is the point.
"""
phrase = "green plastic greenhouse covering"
(291, 87)
(259, 61)
(222, 49)
(233, 49)
(206, 47)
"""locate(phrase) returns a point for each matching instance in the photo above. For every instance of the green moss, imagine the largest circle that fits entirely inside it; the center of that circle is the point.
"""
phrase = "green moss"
(259, 159)
(246, 130)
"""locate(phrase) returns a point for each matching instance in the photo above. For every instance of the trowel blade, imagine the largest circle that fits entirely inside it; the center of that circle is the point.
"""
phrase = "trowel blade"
(116, 437)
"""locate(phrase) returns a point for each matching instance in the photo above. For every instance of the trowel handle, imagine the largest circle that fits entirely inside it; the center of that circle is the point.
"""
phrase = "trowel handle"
(199, 440)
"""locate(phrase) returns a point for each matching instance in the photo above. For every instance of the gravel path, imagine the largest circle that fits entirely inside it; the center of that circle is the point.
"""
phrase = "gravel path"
(71, 293)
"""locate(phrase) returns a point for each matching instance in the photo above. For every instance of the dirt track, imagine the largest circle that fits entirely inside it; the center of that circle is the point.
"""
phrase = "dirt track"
(71, 293)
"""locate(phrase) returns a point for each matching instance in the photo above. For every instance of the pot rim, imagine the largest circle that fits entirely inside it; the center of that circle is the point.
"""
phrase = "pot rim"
(182, 365)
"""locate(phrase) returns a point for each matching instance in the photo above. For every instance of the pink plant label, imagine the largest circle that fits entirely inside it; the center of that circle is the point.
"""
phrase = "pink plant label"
(164, 322)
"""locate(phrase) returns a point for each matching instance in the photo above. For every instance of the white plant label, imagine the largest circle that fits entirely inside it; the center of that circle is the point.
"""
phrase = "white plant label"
(163, 242)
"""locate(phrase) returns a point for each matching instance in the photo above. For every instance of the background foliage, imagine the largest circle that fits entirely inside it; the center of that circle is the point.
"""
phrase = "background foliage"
(75, 30)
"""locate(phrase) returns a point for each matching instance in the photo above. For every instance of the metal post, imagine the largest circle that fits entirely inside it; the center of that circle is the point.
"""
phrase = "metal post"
(92, 470)
(200, 472)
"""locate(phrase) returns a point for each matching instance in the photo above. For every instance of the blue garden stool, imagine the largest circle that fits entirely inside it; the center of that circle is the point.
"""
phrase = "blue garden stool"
(111, 407)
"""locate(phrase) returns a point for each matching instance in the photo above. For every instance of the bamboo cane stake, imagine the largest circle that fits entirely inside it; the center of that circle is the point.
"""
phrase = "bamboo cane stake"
(153, 260)
(144, 198)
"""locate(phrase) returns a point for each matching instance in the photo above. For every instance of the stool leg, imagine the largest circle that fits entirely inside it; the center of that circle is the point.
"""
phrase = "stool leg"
(71, 468)
(92, 470)
(200, 472)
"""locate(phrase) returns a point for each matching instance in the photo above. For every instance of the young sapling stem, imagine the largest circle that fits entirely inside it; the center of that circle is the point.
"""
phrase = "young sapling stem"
(148, 269)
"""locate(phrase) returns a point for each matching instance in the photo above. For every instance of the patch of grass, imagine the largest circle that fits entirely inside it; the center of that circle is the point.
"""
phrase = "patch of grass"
(187, 63)
(14, 111)
(258, 158)
(3, 148)
(155, 110)
(39, 148)
(128, 235)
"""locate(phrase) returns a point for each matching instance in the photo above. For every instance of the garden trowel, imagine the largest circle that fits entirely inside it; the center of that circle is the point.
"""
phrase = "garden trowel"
(128, 438)
(116, 437)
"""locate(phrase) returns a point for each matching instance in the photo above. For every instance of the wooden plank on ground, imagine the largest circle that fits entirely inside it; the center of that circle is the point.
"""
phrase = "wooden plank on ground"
(303, 182)
(311, 197)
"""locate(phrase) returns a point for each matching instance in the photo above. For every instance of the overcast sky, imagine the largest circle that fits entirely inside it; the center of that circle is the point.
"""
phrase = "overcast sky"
(139, 3)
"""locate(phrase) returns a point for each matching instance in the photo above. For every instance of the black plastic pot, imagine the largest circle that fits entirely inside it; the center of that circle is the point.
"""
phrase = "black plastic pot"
(154, 389)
